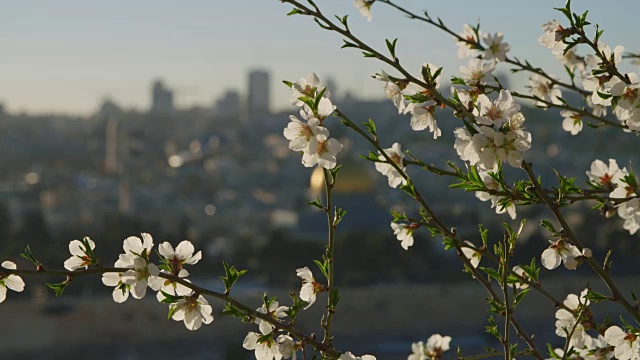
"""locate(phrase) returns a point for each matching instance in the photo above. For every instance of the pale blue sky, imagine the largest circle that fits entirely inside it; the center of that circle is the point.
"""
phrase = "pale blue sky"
(66, 55)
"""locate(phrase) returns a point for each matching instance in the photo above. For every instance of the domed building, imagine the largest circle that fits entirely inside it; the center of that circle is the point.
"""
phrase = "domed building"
(354, 191)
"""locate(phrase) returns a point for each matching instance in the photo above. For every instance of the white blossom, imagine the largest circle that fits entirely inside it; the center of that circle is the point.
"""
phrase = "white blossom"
(545, 90)
(496, 112)
(474, 257)
(627, 346)
(605, 175)
(477, 72)
(561, 252)
(349, 356)
(465, 49)
(266, 349)
(595, 61)
(419, 351)
(174, 288)
(310, 287)
(9, 282)
(396, 155)
(324, 154)
(465, 147)
(80, 255)
(630, 212)
(302, 136)
(121, 290)
(572, 121)
(274, 311)
(492, 184)
(495, 49)
(422, 117)
(404, 233)
(629, 97)
(324, 109)
(307, 86)
(182, 255)
(143, 273)
(566, 321)
(393, 91)
(520, 285)
(287, 346)
(436, 345)
(193, 311)
(552, 37)
(364, 6)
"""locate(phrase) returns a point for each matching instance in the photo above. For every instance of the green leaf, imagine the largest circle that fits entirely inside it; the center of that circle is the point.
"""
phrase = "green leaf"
(295, 11)
(316, 203)
(58, 289)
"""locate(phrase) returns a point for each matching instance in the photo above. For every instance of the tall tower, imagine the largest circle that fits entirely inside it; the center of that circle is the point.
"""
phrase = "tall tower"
(161, 98)
(258, 99)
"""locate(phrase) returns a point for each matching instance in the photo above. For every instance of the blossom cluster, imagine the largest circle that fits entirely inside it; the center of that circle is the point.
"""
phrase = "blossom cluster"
(432, 349)
(622, 186)
(574, 322)
(308, 135)
(607, 89)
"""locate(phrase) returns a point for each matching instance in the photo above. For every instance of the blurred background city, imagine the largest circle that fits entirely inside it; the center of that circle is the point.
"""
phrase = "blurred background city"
(219, 172)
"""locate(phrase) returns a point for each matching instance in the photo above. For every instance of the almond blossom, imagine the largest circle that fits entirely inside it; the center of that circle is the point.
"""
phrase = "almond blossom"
(496, 49)
(630, 212)
(552, 37)
(182, 255)
(474, 257)
(364, 6)
(307, 86)
(143, 273)
(436, 345)
(627, 346)
(520, 284)
(9, 282)
(121, 290)
(325, 153)
(174, 288)
(193, 312)
(545, 90)
(566, 321)
(572, 121)
(274, 311)
(404, 233)
(477, 72)
(302, 136)
(604, 175)
(561, 252)
(396, 155)
(264, 346)
(492, 184)
(629, 97)
(393, 90)
(349, 356)
(310, 287)
(422, 117)
(467, 49)
(81, 254)
(287, 346)
(496, 112)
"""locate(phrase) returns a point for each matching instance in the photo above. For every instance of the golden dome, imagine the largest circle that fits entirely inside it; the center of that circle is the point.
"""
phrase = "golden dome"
(354, 178)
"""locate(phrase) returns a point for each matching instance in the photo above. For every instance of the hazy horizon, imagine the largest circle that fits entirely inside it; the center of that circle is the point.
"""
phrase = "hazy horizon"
(66, 57)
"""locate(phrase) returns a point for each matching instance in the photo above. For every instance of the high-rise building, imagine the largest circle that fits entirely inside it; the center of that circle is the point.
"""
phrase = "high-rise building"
(228, 105)
(258, 99)
(161, 98)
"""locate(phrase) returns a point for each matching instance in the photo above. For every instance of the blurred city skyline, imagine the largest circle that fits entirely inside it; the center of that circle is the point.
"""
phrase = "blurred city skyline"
(68, 57)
